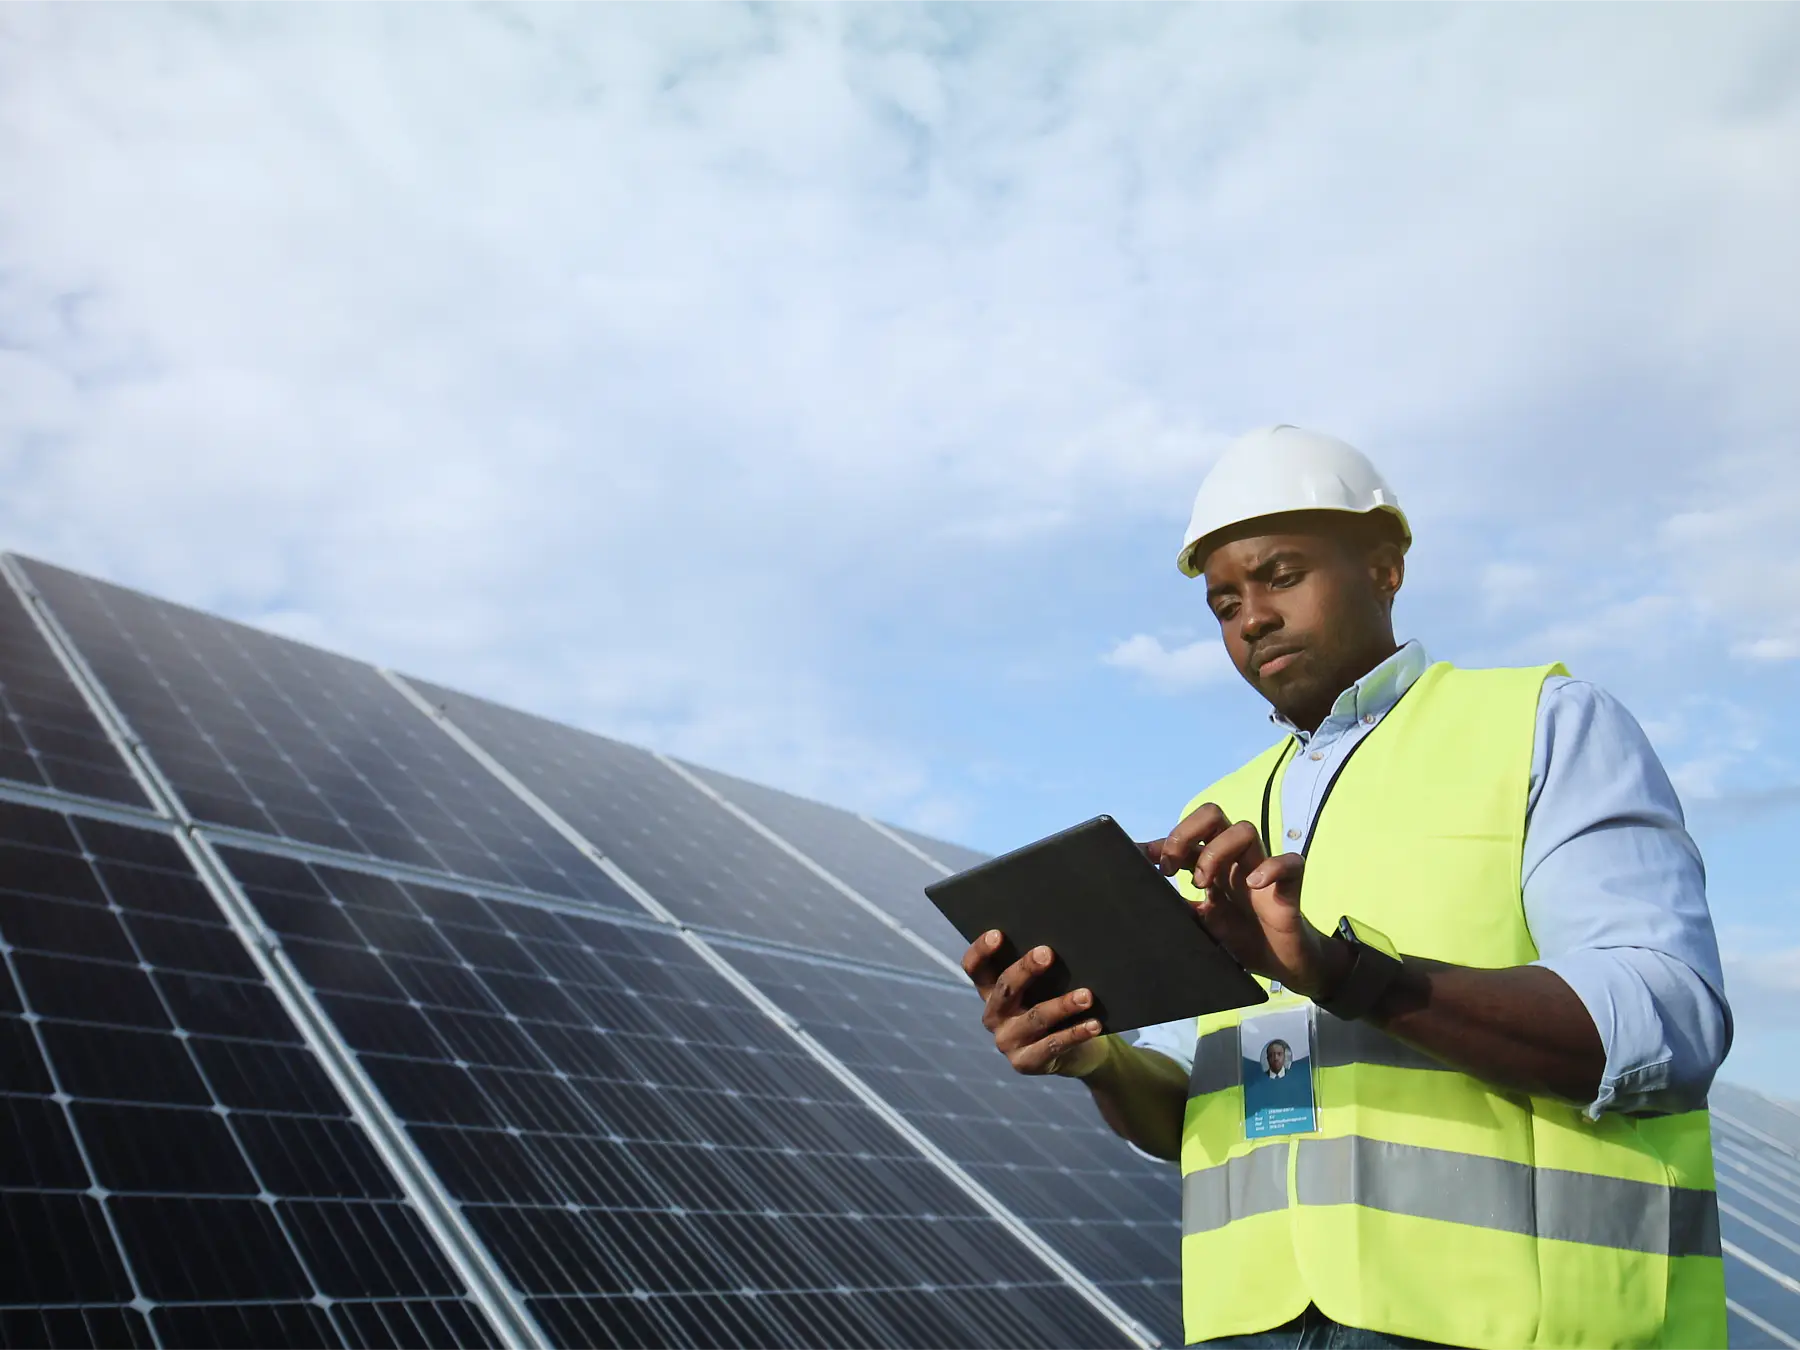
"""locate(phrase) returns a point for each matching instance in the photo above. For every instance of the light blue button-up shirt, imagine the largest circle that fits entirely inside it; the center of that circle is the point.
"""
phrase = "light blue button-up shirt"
(1615, 892)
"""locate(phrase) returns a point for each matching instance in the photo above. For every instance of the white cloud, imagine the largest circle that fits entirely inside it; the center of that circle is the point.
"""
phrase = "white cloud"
(1172, 669)
(647, 366)
(1768, 649)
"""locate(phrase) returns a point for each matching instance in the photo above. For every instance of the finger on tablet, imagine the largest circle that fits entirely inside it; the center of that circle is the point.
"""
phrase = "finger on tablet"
(981, 962)
(1042, 1056)
(1043, 1019)
(1239, 843)
(1186, 839)
(1004, 1000)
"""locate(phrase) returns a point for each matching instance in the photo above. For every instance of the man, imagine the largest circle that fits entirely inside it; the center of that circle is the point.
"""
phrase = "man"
(1473, 893)
(1275, 1058)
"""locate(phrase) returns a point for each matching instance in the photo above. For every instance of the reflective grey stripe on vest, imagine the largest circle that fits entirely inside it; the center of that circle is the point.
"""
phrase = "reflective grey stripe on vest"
(1340, 1043)
(1253, 1184)
(1431, 1183)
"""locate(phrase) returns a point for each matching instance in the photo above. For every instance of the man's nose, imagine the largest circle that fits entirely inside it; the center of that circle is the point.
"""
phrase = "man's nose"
(1257, 619)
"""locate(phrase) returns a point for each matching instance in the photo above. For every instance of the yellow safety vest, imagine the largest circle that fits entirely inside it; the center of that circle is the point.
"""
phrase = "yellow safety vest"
(1429, 1204)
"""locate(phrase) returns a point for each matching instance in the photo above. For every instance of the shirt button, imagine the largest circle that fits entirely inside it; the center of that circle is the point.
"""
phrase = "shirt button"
(1318, 754)
(1369, 720)
(1293, 834)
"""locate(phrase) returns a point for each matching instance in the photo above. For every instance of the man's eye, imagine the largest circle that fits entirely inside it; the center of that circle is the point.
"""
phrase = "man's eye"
(1224, 609)
(1282, 580)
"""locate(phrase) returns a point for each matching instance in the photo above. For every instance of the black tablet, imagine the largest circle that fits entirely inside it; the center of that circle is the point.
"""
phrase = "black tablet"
(1117, 926)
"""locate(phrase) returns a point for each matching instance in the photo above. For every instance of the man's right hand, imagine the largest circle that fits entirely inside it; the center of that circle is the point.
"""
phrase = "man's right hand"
(1038, 1038)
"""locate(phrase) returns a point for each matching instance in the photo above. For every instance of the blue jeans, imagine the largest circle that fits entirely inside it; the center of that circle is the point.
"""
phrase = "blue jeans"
(1313, 1330)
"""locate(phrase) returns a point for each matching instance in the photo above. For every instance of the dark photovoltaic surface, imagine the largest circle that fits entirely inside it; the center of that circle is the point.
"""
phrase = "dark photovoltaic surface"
(265, 734)
(1035, 1143)
(175, 1166)
(1756, 1152)
(709, 868)
(650, 1159)
(851, 850)
(48, 735)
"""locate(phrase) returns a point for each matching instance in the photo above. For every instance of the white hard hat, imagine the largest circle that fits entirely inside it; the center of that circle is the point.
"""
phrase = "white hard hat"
(1279, 469)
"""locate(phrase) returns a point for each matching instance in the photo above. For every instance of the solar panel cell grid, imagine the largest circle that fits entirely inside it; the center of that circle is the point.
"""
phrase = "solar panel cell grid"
(649, 1159)
(263, 734)
(709, 868)
(166, 1141)
(1036, 1144)
(49, 737)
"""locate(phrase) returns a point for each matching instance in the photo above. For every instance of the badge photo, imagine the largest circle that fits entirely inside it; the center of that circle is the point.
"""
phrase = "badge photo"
(1275, 1051)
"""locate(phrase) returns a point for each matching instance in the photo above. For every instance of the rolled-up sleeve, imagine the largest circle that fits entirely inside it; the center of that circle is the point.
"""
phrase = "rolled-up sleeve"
(1615, 896)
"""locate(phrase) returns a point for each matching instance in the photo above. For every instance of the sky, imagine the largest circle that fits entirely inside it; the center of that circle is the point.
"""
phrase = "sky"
(819, 393)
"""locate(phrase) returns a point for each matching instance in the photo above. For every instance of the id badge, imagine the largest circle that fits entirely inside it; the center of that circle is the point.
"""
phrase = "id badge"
(1275, 1054)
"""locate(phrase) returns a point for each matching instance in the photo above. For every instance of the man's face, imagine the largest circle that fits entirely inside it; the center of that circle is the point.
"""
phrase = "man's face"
(1277, 1058)
(1303, 608)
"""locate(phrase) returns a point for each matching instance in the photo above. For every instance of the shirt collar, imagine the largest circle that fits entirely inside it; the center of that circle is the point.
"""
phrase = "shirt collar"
(1373, 694)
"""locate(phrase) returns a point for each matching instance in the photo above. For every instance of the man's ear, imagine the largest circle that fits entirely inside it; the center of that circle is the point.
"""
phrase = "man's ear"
(1387, 569)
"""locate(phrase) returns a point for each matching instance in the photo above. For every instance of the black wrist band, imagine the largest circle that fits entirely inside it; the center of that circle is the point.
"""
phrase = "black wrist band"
(1370, 973)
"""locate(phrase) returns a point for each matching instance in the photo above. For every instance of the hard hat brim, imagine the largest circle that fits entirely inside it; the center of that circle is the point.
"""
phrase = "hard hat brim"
(1192, 558)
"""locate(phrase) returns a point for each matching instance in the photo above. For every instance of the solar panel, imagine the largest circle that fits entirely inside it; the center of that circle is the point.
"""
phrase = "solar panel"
(175, 1165)
(1035, 1143)
(709, 868)
(651, 1160)
(850, 849)
(267, 735)
(49, 736)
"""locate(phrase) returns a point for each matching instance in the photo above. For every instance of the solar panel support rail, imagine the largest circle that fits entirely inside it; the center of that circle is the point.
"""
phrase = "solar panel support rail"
(91, 808)
(487, 1287)
(1064, 1270)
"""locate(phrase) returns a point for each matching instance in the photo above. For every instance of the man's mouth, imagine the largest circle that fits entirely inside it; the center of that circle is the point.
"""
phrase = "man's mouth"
(1273, 663)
